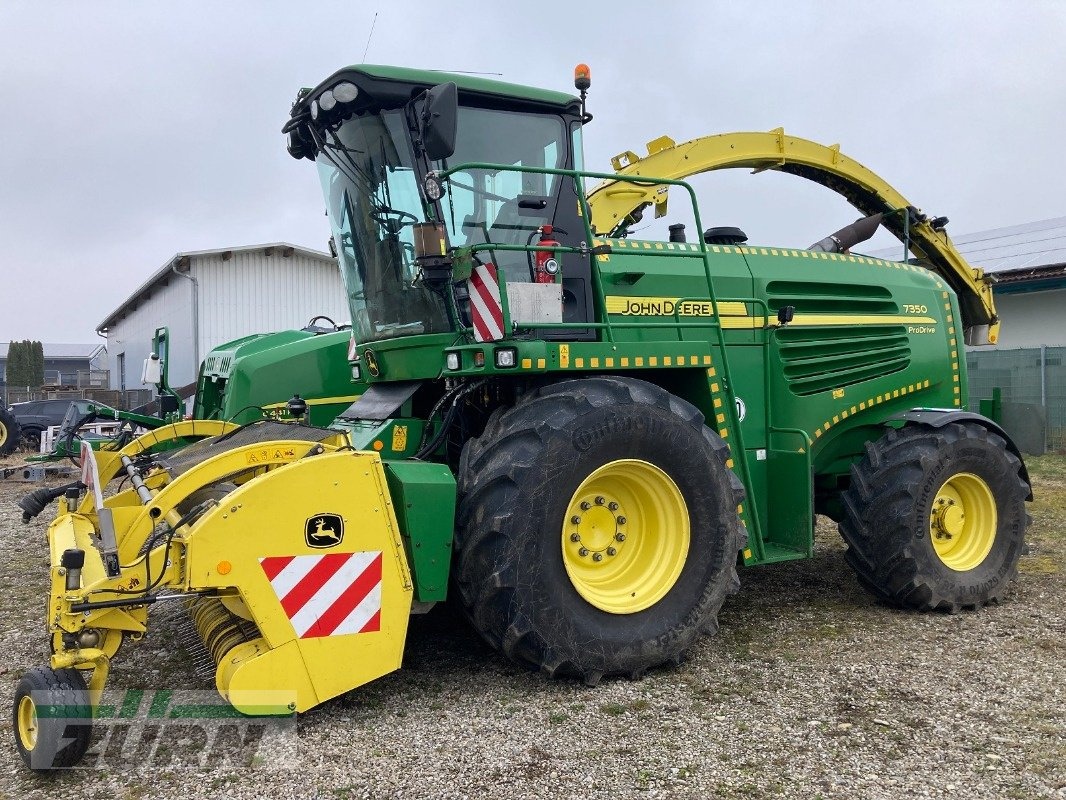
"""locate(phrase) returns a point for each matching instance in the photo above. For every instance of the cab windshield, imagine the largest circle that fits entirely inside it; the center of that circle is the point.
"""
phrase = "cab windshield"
(370, 184)
(371, 191)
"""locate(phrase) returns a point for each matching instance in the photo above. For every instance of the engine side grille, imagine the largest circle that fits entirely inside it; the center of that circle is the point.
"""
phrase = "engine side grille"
(819, 359)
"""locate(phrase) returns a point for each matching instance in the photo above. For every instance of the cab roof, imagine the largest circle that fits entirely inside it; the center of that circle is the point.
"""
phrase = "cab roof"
(399, 83)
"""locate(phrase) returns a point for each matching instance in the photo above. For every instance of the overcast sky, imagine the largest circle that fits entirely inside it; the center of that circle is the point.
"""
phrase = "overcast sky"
(132, 131)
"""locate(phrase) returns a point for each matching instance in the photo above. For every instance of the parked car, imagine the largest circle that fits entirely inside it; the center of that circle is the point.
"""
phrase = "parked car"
(35, 416)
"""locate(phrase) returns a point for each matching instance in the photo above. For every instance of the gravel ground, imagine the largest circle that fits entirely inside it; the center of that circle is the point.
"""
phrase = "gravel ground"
(811, 689)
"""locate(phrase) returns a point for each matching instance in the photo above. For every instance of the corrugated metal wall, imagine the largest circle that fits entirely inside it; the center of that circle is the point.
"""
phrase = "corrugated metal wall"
(129, 341)
(256, 293)
(251, 292)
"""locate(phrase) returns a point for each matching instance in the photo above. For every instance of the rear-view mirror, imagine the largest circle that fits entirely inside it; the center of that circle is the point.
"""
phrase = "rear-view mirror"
(440, 117)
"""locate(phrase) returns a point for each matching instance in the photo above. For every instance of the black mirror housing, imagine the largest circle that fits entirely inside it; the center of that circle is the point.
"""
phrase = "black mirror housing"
(440, 118)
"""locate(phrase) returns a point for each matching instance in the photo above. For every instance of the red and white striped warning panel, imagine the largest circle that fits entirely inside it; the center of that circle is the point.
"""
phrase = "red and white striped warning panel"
(353, 353)
(328, 595)
(486, 312)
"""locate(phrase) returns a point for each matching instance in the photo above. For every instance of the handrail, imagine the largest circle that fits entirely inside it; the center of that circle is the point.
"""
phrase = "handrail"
(739, 452)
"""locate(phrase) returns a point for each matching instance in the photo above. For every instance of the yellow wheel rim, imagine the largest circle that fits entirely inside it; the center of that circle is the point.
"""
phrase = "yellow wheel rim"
(963, 521)
(626, 536)
(27, 722)
(3, 434)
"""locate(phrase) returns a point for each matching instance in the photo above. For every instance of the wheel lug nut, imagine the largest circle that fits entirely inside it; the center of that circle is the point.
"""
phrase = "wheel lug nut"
(575, 519)
(612, 506)
(600, 501)
(619, 537)
(597, 556)
(585, 505)
(583, 552)
(621, 520)
(575, 537)
(611, 551)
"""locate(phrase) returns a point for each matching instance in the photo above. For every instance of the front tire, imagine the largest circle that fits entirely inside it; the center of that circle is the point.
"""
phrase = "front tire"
(935, 518)
(10, 432)
(598, 530)
(52, 718)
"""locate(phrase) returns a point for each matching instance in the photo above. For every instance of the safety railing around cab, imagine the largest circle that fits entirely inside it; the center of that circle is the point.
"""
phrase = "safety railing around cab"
(587, 249)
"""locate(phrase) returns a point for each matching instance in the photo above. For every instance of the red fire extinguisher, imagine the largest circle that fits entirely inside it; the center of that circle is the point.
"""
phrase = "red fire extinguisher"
(546, 265)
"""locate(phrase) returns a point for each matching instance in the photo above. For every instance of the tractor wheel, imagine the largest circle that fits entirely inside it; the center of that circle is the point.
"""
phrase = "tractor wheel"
(598, 530)
(935, 518)
(10, 433)
(31, 439)
(52, 718)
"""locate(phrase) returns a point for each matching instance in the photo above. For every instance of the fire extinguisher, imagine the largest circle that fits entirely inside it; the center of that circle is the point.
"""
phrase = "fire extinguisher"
(546, 265)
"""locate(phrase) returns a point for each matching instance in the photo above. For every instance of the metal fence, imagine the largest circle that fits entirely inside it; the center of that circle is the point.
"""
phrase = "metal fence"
(78, 378)
(1035, 375)
(131, 398)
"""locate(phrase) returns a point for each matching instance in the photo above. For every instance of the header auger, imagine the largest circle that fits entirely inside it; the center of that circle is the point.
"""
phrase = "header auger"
(579, 431)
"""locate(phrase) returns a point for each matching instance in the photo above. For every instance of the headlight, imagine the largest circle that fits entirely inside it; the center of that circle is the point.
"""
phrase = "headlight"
(452, 360)
(356, 372)
(433, 187)
(345, 92)
(506, 357)
(327, 100)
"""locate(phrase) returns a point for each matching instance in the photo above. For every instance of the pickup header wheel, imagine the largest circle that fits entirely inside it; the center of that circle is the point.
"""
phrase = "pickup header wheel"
(52, 718)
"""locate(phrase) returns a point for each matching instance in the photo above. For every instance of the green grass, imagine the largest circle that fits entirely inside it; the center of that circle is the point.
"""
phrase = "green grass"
(1047, 467)
(1047, 535)
(613, 709)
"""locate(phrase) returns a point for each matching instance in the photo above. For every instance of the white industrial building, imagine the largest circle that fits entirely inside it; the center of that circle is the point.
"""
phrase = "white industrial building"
(1027, 264)
(209, 297)
(1026, 368)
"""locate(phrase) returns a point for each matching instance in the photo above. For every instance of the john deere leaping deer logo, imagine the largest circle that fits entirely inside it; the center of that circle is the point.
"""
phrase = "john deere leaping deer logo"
(324, 530)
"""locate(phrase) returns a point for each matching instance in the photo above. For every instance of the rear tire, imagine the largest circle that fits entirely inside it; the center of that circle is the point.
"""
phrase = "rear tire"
(597, 449)
(52, 718)
(10, 432)
(935, 518)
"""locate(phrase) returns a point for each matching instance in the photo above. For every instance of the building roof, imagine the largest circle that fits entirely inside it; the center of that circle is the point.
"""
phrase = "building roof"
(282, 248)
(1034, 244)
(1033, 251)
(63, 351)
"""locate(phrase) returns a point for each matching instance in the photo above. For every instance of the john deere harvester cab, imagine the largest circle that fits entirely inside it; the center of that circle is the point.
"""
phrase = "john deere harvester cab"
(582, 433)
(382, 140)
